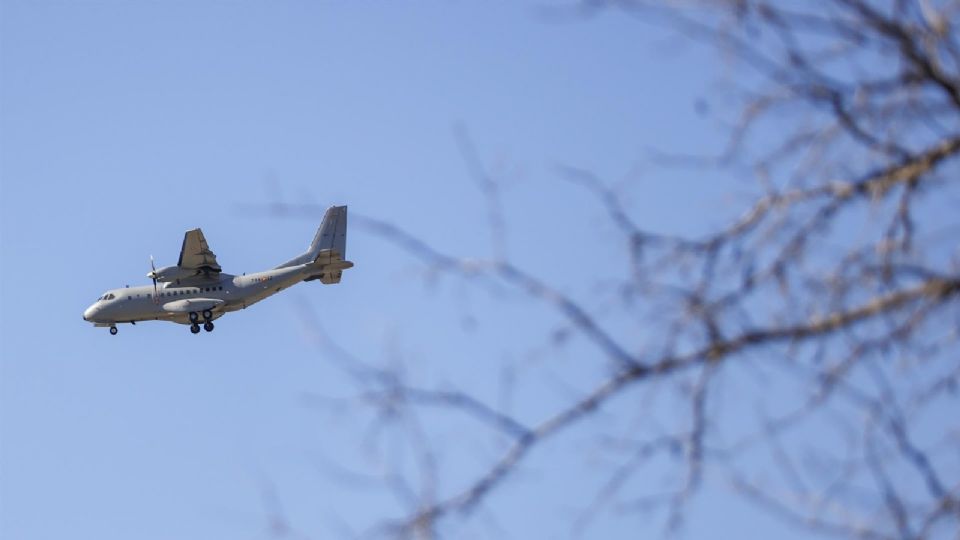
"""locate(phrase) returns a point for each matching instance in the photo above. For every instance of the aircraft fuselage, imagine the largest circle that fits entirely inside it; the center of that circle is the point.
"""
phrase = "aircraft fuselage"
(135, 304)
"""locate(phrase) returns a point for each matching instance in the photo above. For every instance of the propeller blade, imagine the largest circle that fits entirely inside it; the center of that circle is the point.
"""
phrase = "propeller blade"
(153, 274)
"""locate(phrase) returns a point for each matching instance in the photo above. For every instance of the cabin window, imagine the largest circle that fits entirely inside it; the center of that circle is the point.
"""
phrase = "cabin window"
(129, 298)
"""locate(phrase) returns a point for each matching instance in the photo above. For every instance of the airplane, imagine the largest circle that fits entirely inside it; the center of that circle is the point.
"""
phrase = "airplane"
(197, 291)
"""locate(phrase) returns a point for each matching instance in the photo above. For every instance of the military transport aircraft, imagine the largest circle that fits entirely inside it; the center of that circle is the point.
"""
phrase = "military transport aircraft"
(196, 291)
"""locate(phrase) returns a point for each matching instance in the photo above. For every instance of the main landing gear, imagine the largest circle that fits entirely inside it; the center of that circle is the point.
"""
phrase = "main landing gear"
(194, 320)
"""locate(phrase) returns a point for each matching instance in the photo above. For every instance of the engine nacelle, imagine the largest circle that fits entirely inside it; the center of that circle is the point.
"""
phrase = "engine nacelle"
(171, 273)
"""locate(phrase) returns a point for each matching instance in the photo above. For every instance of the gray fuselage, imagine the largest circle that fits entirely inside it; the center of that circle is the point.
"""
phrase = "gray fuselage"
(133, 304)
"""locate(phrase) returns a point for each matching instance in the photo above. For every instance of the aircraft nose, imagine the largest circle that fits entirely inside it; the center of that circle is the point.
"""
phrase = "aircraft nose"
(88, 313)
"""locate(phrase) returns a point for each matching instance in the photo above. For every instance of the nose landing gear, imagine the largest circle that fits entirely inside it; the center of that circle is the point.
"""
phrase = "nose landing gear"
(113, 330)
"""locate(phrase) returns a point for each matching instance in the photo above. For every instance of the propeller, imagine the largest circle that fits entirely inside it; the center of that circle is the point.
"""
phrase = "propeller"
(153, 274)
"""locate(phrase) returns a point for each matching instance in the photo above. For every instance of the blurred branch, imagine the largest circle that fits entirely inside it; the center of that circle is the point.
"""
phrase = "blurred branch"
(830, 278)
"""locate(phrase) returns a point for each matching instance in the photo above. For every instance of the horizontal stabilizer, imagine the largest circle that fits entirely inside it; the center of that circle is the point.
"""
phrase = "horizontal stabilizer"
(328, 258)
(329, 266)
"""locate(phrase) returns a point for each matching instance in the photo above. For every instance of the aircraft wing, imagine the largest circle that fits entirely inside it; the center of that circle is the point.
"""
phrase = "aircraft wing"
(195, 253)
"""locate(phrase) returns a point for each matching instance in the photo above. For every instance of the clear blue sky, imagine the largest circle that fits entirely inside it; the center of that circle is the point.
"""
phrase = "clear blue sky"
(122, 124)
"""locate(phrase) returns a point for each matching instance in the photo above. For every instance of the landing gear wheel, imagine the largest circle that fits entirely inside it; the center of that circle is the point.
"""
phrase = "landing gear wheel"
(207, 314)
(113, 330)
(194, 328)
(208, 326)
(193, 316)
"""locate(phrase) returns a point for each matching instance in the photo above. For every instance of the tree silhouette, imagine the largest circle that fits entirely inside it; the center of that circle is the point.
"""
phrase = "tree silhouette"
(838, 281)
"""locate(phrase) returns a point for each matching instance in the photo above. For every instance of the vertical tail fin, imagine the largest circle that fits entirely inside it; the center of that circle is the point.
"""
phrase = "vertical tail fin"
(332, 233)
(331, 236)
